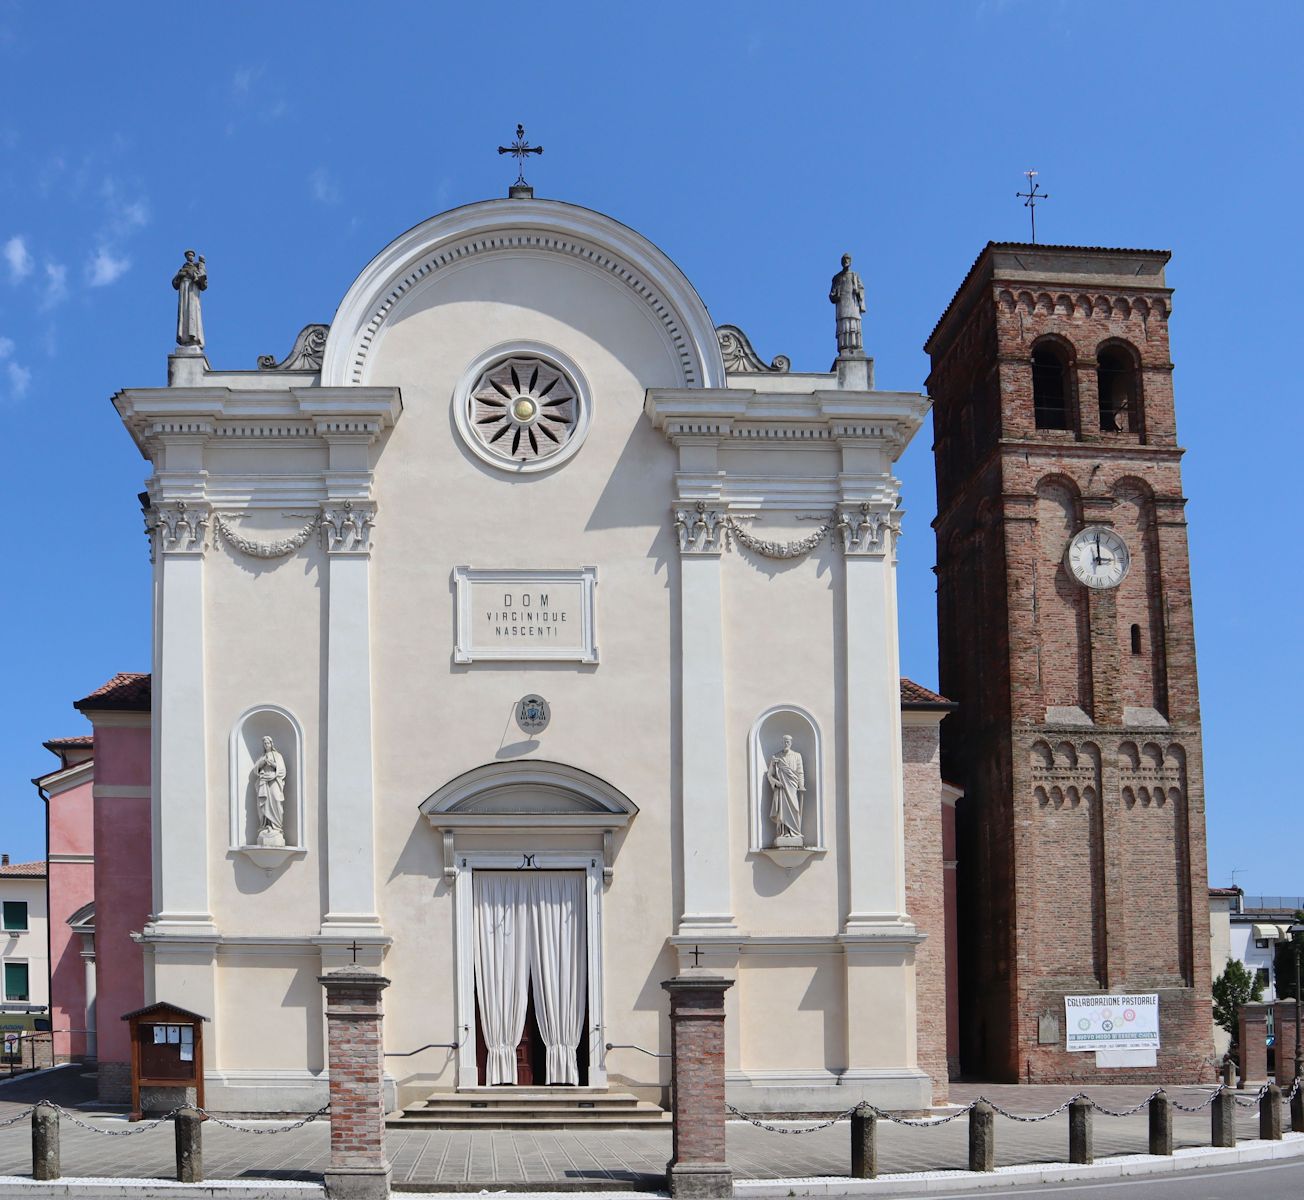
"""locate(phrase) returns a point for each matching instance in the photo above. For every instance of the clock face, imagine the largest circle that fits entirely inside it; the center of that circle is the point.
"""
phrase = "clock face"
(1098, 557)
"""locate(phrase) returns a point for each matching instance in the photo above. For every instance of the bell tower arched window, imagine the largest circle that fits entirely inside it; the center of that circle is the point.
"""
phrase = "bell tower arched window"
(1116, 385)
(1050, 389)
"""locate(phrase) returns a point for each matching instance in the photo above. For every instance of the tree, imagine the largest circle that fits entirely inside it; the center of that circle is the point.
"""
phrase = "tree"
(1234, 987)
(1283, 961)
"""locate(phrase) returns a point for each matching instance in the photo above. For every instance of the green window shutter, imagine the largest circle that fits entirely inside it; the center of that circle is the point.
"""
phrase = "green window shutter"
(15, 914)
(16, 981)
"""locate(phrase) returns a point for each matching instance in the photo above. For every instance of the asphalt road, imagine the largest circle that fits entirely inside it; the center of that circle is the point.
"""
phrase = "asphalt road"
(1262, 1181)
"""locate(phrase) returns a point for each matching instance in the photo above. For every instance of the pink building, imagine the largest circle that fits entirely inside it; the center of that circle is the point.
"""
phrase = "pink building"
(100, 876)
(70, 851)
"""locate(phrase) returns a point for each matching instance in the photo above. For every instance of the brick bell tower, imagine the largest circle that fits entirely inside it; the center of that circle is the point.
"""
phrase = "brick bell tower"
(1065, 634)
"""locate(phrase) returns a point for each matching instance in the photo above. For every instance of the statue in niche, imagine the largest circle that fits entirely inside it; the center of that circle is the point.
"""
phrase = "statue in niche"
(848, 294)
(786, 774)
(269, 777)
(191, 279)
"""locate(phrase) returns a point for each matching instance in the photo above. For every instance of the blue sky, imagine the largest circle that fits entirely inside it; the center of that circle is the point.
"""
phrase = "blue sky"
(289, 142)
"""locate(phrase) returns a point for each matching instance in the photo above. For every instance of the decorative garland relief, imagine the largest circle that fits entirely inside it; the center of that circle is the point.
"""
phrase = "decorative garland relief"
(276, 549)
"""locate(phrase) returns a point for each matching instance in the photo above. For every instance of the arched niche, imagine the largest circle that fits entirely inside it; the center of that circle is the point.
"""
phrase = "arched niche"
(764, 742)
(265, 720)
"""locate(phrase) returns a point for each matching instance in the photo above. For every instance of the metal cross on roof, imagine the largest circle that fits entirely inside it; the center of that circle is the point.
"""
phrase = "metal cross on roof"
(519, 149)
(1030, 198)
(355, 947)
(697, 956)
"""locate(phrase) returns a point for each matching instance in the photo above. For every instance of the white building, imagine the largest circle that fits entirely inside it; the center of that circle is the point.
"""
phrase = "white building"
(528, 573)
(24, 939)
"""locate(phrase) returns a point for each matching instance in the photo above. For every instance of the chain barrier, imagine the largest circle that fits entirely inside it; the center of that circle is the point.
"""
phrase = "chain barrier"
(1294, 1087)
(1125, 1112)
(1253, 1101)
(842, 1116)
(321, 1112)
(1208, 1100)
(144, 1126)
(1031, 1119)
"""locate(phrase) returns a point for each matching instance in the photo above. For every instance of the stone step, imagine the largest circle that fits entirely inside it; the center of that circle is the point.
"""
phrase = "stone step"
(562, 1098)
(549, 1108)
(573, 1119)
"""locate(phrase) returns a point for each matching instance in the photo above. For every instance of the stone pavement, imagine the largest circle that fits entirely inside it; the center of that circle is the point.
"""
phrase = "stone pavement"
(614, 1158)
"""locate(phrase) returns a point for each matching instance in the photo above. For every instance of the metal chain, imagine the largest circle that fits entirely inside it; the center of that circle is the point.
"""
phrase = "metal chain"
(1218, 1091)
(22, 1116)
(139, 1127)
(922, 1121)
(1252, 1101)
(1028, 1120)
(1125, 1112)
(1294, 1087)
(775, 1129)
(280, 1129)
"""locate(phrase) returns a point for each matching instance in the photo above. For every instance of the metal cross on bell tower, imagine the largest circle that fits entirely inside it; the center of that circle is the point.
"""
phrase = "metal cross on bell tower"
(1030, 198)
(520, 149)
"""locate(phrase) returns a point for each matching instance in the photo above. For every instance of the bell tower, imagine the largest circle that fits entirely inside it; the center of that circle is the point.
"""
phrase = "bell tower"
(1066, 638)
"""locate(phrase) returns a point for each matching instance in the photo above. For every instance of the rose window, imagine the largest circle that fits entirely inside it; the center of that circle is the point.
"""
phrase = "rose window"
(523, 409)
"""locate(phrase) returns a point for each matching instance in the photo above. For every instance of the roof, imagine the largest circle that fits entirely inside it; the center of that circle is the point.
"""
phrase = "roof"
(163, 1009)
(1040, 247)
(27, 870)
(1231, 891)
(69, 743)
(916, 696)
(127, 691)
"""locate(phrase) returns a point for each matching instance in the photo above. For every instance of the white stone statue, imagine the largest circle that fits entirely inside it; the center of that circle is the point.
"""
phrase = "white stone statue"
(787, 777)
(269, 774)
(848, 294)
(190, 279)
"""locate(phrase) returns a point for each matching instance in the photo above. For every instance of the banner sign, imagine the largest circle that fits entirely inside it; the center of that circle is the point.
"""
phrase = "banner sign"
(1112, 1022)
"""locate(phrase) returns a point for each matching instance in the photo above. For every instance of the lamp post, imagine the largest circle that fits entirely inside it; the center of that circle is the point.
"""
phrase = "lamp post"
(1295, 931)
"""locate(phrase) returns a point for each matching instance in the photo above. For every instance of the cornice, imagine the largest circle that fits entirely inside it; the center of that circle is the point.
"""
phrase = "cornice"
(203, 413)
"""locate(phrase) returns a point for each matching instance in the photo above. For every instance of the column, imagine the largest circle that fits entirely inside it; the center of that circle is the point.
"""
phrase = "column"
(180, 784)
(704, 777)
(88, 963)
(697, 1165)
(1253, 1041)
(350, 819)
(358, 1168)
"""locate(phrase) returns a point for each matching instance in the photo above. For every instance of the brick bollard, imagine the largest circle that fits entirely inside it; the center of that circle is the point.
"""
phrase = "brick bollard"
(864, 1145)
(1081, 1149)
(1161, 1125)
(45, 1142)
(1283, 1019)
(698, 1166)
(1253, 1044)
(358, 1167)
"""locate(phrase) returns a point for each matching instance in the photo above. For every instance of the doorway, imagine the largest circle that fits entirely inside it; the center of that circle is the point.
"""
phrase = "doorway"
(531, 978)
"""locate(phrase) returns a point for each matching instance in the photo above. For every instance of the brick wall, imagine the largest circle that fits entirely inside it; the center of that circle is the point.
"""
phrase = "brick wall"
(1077, 744)
(926, 896)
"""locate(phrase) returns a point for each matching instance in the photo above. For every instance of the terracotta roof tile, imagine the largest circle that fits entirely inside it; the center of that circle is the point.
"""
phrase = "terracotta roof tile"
(915, 695)
(1231, 891)
(127, 691)
(28, 870)
(70, 743)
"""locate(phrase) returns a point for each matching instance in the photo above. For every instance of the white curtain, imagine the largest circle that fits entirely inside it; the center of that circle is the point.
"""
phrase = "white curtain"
(529, 933)
(558, 964)
(502, 967)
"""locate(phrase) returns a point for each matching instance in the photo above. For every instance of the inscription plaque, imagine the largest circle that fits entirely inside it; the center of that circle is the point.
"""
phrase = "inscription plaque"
(524, 614)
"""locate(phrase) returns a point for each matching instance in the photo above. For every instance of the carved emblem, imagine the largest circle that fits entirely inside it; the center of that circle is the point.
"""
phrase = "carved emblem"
(179, 526)
(305, 355)
(867, 530)
(698, 529)
(347, 529)
(532, 714)
(741, 359)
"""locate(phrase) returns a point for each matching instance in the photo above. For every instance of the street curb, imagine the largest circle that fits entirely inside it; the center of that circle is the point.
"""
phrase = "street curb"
(1121, 1166)
(13, 1186)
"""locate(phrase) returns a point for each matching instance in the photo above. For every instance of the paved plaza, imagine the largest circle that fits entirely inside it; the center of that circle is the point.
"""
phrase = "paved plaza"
(610, 1158)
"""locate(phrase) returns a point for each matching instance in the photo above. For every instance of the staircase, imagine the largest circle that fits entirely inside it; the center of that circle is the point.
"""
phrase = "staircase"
(531, 1108)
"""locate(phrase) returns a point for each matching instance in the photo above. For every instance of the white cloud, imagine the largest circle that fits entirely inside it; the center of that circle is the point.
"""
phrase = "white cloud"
(6, 347)
(244, 78)
(56, 285)
(19, 260)
(324, 188)
(105, 269)
(19, 379)
(125, 213)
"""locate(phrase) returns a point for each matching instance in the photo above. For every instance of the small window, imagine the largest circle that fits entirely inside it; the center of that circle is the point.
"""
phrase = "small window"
(15, 916)
(1050, 389)
(1136, 639)
(16, 981)
(1261, 944)
(1262, 974)
(1116, 385)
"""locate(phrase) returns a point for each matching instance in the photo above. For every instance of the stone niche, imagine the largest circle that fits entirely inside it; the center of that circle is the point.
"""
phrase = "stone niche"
(765, 741)
(266, 720)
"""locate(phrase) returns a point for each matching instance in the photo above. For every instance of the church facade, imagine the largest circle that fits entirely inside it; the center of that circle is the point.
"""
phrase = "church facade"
(527, 637)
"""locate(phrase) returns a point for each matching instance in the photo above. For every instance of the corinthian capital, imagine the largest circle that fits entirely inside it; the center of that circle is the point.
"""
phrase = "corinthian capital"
(346, 527)
(179, 526)
(866, 529)
(700, 529)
